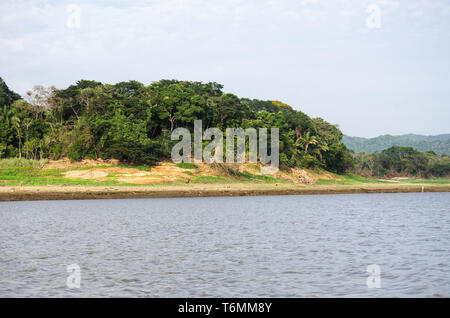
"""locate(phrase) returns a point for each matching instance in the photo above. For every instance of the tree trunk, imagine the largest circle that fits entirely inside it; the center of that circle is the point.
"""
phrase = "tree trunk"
(172, 123)
(20, 148)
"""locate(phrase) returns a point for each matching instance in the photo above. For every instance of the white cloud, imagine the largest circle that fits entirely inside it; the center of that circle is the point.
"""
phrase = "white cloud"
(257, 48)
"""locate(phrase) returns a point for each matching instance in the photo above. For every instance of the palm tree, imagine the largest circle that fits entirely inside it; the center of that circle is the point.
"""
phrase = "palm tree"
(320, 148)
(15, 121)
(305, 141)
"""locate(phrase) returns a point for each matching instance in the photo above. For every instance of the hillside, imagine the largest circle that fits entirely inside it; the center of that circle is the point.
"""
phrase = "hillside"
(440, 144)
(134, 123)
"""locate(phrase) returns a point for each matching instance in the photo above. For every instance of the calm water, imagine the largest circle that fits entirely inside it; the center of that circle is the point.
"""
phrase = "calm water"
(287, 246)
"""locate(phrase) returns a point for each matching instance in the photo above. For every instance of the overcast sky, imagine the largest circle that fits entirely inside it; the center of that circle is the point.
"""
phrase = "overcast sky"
(329, 58)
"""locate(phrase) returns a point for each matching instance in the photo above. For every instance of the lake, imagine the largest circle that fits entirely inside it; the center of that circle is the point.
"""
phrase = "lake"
(273, 246)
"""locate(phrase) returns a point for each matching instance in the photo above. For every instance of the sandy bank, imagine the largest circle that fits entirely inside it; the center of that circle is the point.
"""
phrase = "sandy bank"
(8, 193)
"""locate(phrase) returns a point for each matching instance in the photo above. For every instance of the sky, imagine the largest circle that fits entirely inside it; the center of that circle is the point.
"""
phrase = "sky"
(372, 67)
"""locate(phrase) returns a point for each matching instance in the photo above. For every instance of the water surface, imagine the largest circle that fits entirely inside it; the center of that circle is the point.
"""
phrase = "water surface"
(274, 246)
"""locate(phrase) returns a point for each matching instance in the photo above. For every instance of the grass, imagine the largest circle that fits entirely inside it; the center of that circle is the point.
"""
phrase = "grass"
(427, 181)
(185, 165)
(238, 177)
(16, 172)
(20, 162)
(210, 179)
(142, 168)
(349, 179)
(263, 178)
(357, 179)
(33, 176)
(21, 171)
(254, 167)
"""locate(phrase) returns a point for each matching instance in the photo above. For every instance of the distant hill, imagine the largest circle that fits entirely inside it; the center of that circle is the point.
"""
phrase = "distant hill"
(440, 144)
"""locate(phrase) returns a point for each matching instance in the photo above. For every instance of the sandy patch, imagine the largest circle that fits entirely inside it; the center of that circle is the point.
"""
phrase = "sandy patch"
(166, 172)
(296, 175)
(169, 172)
(86, 174)
(169, 169)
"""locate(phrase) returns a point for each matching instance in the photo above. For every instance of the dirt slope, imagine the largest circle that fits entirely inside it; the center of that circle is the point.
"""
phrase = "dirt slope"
(166, 172)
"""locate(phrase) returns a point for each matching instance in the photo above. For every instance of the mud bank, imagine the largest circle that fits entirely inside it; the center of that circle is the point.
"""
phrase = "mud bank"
(89, 193)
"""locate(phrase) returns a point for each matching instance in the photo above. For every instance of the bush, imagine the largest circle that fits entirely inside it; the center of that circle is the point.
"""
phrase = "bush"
(440, 170)
(337, 159)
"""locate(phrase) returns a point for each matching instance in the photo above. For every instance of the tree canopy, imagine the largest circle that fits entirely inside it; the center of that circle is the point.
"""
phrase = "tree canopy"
(132, 122)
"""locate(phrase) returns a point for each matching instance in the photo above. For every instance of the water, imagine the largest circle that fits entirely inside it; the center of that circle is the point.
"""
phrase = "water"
(279, 246)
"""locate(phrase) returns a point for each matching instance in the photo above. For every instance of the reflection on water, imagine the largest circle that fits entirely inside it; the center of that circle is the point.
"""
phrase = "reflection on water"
(280, 246)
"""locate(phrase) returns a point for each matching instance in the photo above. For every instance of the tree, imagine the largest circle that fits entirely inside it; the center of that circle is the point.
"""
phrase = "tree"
(305, 141)
(7, 96)
(329, 133)
(178, 104)
(38, 99)
(337, 158)
(132, 122)
(16, 124)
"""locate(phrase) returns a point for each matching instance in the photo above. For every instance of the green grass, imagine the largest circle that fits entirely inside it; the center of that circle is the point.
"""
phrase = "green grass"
(356, 179)
(33, 176)
(15, 172)
(263, 178)
(210, 179)
(427, 181)
(28, 173)
(185, 165)
(244, 177)
(349, 179)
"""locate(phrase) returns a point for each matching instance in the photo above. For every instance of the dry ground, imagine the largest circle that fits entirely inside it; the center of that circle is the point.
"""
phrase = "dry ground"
(169, 172)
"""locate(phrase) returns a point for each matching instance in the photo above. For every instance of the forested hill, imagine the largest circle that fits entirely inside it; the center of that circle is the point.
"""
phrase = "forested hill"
(132, 122)
(440, 144)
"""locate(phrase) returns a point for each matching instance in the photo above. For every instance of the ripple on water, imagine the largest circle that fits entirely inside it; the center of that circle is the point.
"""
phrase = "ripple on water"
(292, 246)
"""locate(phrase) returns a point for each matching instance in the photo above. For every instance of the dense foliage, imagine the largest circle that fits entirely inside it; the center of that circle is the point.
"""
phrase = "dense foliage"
(133, 122)
(402, 161)
(439, 144)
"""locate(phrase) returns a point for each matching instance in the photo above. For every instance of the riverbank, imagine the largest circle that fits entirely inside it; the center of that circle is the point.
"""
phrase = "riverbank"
(24, 180)
(32, 193)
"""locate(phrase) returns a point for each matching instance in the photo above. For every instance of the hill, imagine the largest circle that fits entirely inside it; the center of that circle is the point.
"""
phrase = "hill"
(134, 123)
(440, 144)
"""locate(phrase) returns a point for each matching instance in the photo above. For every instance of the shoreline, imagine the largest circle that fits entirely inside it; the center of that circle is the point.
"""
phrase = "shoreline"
(36, 193)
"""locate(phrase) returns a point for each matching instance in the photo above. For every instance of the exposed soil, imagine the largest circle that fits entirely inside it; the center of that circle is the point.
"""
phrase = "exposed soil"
(168, 172)
(160, 174)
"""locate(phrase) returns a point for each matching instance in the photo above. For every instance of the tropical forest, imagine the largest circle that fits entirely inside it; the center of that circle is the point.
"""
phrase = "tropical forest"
(132, 123)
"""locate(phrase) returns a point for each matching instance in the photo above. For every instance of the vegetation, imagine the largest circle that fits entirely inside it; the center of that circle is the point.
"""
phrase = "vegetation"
(348, 178)
(24, 172)
(132, 122)
(439, 144)
(32, 175)
(401, 162)
(186, 165)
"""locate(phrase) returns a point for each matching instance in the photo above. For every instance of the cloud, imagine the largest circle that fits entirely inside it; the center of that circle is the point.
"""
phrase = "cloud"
(34, 34)
(302, 51)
